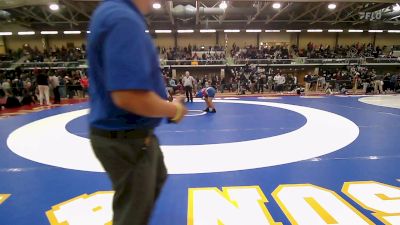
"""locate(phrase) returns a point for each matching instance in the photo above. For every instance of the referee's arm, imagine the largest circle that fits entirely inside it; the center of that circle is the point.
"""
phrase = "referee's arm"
(144, 103)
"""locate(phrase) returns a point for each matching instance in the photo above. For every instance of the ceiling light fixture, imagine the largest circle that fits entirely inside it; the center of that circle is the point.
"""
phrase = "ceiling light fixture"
(72, 32)
(231, 31)
(5, 33)
(49, 32)
(185, 31)
(156, 5)
(396, 7)
(26, 33)
(223, 5)
(314, 30)
(276, 5)
(208, 31)
(332, 6)
(356, 31)
(163, 31)
(375, 31)
(54, 7)
(253, 31)
(335, 31)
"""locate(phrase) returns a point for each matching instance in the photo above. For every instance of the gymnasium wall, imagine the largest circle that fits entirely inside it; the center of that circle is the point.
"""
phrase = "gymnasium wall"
(240, 39)
(2, 46)
(164, 40)
(15, 42)
(62, 40)
(198, 39)
(351, 38)
(317, 38)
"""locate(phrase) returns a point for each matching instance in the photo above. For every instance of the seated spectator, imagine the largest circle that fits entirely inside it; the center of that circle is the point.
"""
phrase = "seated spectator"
(12, 102)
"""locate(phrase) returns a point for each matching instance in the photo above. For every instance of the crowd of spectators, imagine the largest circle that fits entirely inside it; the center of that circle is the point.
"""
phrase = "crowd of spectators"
(311, 51)
(252, 79)
(52, 54)
(279, 53)
(55, 54)
(22, 87)
(204, 55)
(356, 50)
(212, 54)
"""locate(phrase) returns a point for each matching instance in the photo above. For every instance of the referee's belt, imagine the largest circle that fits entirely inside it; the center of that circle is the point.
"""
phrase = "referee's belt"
(122, 134)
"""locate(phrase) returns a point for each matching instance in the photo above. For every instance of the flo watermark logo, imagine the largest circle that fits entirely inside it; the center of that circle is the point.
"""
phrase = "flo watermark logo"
(371, 16)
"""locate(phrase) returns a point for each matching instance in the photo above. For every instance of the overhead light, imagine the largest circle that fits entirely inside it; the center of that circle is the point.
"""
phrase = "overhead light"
(314, 30)
(332, 6)
(49, 32)
(185, 31)
(223, 5)
(147, 31)
(293, 31)
(156, 5)
(208, 31)
(356, 31)
(72, 32)
(272, 31)
(54, 7)
(88, 32)
(26, 33)
(231, 31)
(396, 7)
(253, 31)
(393, 31)
(375, 31)
(335, 31)
(276, 5)
(163, 31)
(5, 33)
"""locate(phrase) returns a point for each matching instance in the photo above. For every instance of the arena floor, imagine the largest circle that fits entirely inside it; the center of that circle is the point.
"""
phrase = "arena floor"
(259, 160)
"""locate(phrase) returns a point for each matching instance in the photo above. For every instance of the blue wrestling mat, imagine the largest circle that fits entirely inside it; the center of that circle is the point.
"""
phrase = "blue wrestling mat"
(289, 160)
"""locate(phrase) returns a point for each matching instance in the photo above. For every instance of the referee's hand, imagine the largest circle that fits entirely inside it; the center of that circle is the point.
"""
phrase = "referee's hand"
(181, 110)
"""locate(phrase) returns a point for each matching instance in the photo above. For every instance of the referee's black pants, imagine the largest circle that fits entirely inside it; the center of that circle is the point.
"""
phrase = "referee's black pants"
(137, 171)
(189, 90)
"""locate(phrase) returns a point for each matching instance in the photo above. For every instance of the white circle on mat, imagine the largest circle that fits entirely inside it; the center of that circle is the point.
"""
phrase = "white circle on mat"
(47, 141)
(391, 101)
(193, 112)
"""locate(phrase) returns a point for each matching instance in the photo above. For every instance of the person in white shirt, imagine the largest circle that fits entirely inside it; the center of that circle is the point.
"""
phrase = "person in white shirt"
(55, 84)
(6, 86)
(188, 83)
(276, 81)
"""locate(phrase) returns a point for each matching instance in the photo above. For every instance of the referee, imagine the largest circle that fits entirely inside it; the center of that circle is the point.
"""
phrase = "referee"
(127, 102)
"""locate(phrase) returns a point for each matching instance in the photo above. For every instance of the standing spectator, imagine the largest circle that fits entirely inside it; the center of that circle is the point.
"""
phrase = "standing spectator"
(366, 80)
(356, 81)
(188, 83)
(55, 84)
(307, 81)
(6, 86)
(195, 86)
(394, 82)
(378, 83)
(69, 87)
(43, 85)
(270, 83)
(85, 85)
(128, 101)
(321, 82)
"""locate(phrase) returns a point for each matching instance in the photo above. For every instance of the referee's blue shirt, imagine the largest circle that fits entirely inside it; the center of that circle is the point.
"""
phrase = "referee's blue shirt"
(121, 57)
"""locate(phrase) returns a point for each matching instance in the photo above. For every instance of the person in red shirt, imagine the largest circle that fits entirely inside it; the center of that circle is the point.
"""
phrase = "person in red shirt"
(85, 85)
